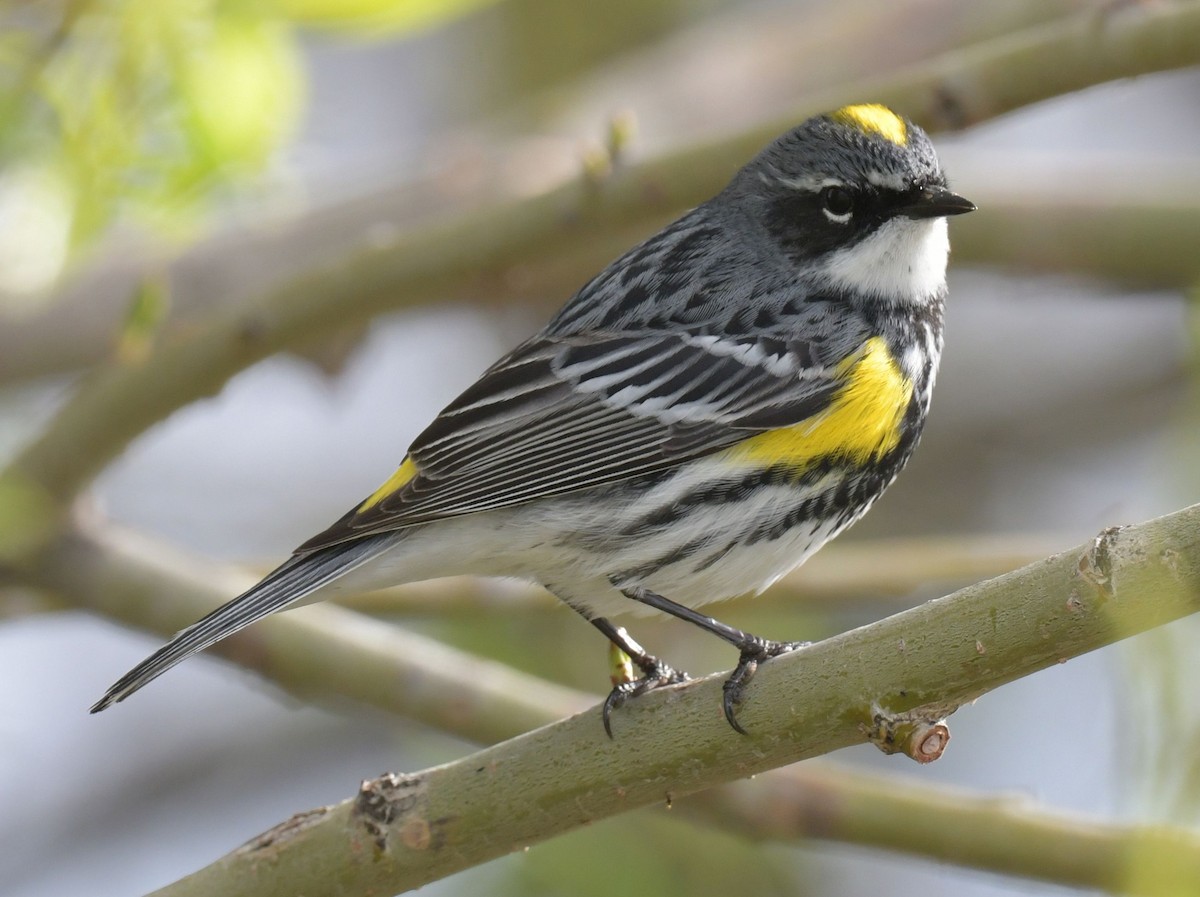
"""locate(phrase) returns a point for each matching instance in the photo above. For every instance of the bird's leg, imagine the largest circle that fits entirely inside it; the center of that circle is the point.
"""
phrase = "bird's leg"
(655, 673)
(753, 649)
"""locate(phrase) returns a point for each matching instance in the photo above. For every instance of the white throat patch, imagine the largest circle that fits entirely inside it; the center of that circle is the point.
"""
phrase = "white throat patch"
(903, 261)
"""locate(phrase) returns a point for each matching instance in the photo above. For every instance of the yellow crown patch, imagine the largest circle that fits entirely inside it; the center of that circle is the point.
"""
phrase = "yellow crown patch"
(871, 118)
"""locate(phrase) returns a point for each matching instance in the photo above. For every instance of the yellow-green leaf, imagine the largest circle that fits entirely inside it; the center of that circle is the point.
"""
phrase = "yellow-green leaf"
(242, 91)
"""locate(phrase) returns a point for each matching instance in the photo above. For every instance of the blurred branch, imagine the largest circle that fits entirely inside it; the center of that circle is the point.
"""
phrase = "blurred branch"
(735, 67)
(16, 602)
(1009, 835)
(119, 402)
(402, 831)
(865, 570)
(747, 61)
(1068, 225)
(321, 650)
(1135, 221)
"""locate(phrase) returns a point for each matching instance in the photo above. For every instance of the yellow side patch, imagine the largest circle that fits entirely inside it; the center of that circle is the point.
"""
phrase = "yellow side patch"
(395, 483)
(862, 423)
(871, 118)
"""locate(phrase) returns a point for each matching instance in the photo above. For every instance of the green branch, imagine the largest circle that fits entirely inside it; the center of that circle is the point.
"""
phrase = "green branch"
(1124, 219)
(780, 60)
(402, 831)
(952, 90)
(1006, 834)
(319, 651)
(325, 651)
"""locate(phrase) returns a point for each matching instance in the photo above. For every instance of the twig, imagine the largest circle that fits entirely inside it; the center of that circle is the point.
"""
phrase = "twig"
(402, 831)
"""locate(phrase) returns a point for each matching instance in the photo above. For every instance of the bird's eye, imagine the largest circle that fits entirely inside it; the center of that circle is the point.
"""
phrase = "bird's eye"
(838, 203)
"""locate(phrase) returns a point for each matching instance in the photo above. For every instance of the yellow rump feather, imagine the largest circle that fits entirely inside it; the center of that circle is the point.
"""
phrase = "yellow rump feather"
(395, 483)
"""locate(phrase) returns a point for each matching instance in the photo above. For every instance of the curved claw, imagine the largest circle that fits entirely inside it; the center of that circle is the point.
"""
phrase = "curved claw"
(658, 676)
(753, 654)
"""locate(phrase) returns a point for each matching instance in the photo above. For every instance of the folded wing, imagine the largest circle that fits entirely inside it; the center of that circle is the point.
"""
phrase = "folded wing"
(562, 414)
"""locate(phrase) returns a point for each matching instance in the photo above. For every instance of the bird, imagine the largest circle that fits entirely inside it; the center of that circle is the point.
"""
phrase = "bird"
(697, 420)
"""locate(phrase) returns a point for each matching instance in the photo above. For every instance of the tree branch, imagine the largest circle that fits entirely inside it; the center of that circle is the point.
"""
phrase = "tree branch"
(952, 90)
(326, 651)
(1005, 834)
(322, 650)
(758, 55)
(1101, 222)
(402, 831)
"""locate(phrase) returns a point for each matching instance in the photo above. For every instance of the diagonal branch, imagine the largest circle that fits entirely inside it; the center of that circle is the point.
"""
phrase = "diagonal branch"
(324, 650)
(317, 651)
(952, 90)
(402, 831)
(759, 55)
(327, 651)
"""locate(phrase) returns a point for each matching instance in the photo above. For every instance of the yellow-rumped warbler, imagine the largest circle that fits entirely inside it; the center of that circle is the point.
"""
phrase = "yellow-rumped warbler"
(701, 417)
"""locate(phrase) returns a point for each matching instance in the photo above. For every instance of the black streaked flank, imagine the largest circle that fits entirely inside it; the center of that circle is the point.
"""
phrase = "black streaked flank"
(729, 491)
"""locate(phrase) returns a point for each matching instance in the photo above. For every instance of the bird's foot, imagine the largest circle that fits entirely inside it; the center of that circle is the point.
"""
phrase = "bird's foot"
(655, 674)
(754, 650)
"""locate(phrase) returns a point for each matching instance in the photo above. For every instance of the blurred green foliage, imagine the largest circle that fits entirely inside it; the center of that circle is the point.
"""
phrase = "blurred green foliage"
(149, 109)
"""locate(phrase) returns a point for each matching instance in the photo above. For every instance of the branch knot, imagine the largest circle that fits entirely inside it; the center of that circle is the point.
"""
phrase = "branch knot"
(921, 733)
(383, 802)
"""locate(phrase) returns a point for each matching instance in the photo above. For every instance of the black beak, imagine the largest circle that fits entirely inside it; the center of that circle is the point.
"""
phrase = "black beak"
(933, 202)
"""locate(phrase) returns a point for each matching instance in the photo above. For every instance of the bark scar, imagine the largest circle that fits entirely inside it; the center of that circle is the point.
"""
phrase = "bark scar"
(1096, 564)
(396, 804)
(279, 835)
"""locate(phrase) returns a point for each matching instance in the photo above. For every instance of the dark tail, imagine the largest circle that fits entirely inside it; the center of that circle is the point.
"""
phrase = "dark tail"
(297, 577)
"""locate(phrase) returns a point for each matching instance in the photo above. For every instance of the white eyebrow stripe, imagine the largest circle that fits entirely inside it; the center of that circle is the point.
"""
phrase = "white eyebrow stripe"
(887, 180)
(810, 184)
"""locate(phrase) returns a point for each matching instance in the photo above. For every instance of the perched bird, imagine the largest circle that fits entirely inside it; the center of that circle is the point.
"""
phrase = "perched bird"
(703, 415)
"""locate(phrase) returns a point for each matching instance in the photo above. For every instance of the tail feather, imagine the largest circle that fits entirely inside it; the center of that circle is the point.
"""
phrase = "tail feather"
(296, 578)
